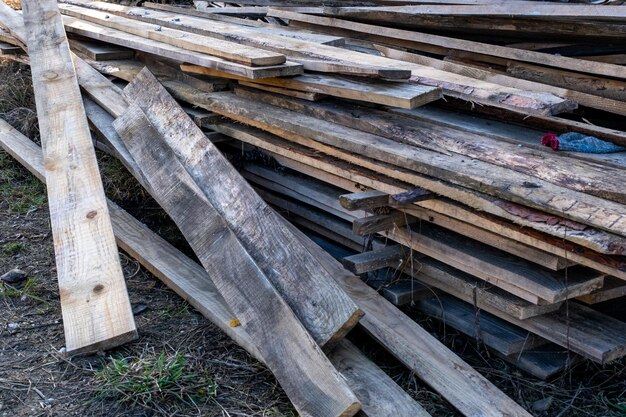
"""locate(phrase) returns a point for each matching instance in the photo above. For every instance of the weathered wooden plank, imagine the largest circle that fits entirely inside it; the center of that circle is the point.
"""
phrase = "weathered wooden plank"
(574, 64)
(527, 10)
(321, 306)
(446, 373)
(379, 394)
(389, 257)
(472, 290)
(304, 95)
(519, 277)
(400, 95)
(100, 51)
(540, 85)
(231, 51)
(577, 175)
(260, 26)
(94, 302)
(495, 333)
(381, 223)
(101, 33)
(586, 247)
(364, 200)
(354, 146)
(406, 292)
(289, 351)
(599, 86)
(613, 288)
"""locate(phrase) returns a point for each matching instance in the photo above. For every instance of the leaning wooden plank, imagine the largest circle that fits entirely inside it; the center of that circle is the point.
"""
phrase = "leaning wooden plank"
(288, 350)
(100, 51)
(231, 51)
(370, 383)
(400, 95)
(321, 306)
(379, 394)
(558, 238)
(95, 305)
(372, 152)
(574, 64)
(460, 384)
(101, 33)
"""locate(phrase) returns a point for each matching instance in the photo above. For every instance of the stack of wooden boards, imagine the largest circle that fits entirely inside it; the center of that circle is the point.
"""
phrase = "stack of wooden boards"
(454, 212)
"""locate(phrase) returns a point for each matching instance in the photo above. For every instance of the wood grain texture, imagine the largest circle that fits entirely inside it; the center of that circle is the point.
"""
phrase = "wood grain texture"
(321, 306)
(558, 239)
(590, 67)
(95, 305)
(495, 333)
(370, 151)
(312, 384)
(231, 51)
(117, 37)
(379, 394)
(401, 95)
(389, 257)
(446, 373)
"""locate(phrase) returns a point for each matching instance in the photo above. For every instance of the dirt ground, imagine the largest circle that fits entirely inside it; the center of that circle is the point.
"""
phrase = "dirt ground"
(182, 365)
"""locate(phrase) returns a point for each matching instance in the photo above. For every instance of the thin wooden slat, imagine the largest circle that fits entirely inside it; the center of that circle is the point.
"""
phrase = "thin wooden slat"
(321, 306)
(289, 351)
(379, 394)
(94, 302)
(101, 33)
(304, 95)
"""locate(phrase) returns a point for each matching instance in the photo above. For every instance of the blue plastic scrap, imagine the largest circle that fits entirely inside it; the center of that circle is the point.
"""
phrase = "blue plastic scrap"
(578, 142)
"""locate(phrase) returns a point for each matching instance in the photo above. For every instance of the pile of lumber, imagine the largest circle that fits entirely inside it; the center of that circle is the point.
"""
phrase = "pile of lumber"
(303, 151)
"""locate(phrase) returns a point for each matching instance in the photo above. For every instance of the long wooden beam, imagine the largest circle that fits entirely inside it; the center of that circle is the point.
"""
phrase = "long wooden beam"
(94, 302)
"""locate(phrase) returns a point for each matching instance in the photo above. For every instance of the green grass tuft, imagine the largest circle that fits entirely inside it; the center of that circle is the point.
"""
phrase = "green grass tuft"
(12, 248)
(152, 379)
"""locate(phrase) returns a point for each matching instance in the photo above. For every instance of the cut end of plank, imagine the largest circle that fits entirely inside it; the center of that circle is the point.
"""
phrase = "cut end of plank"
(103, 345)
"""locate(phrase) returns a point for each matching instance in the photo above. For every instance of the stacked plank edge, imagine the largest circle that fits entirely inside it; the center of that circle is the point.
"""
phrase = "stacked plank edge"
(300, 149)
